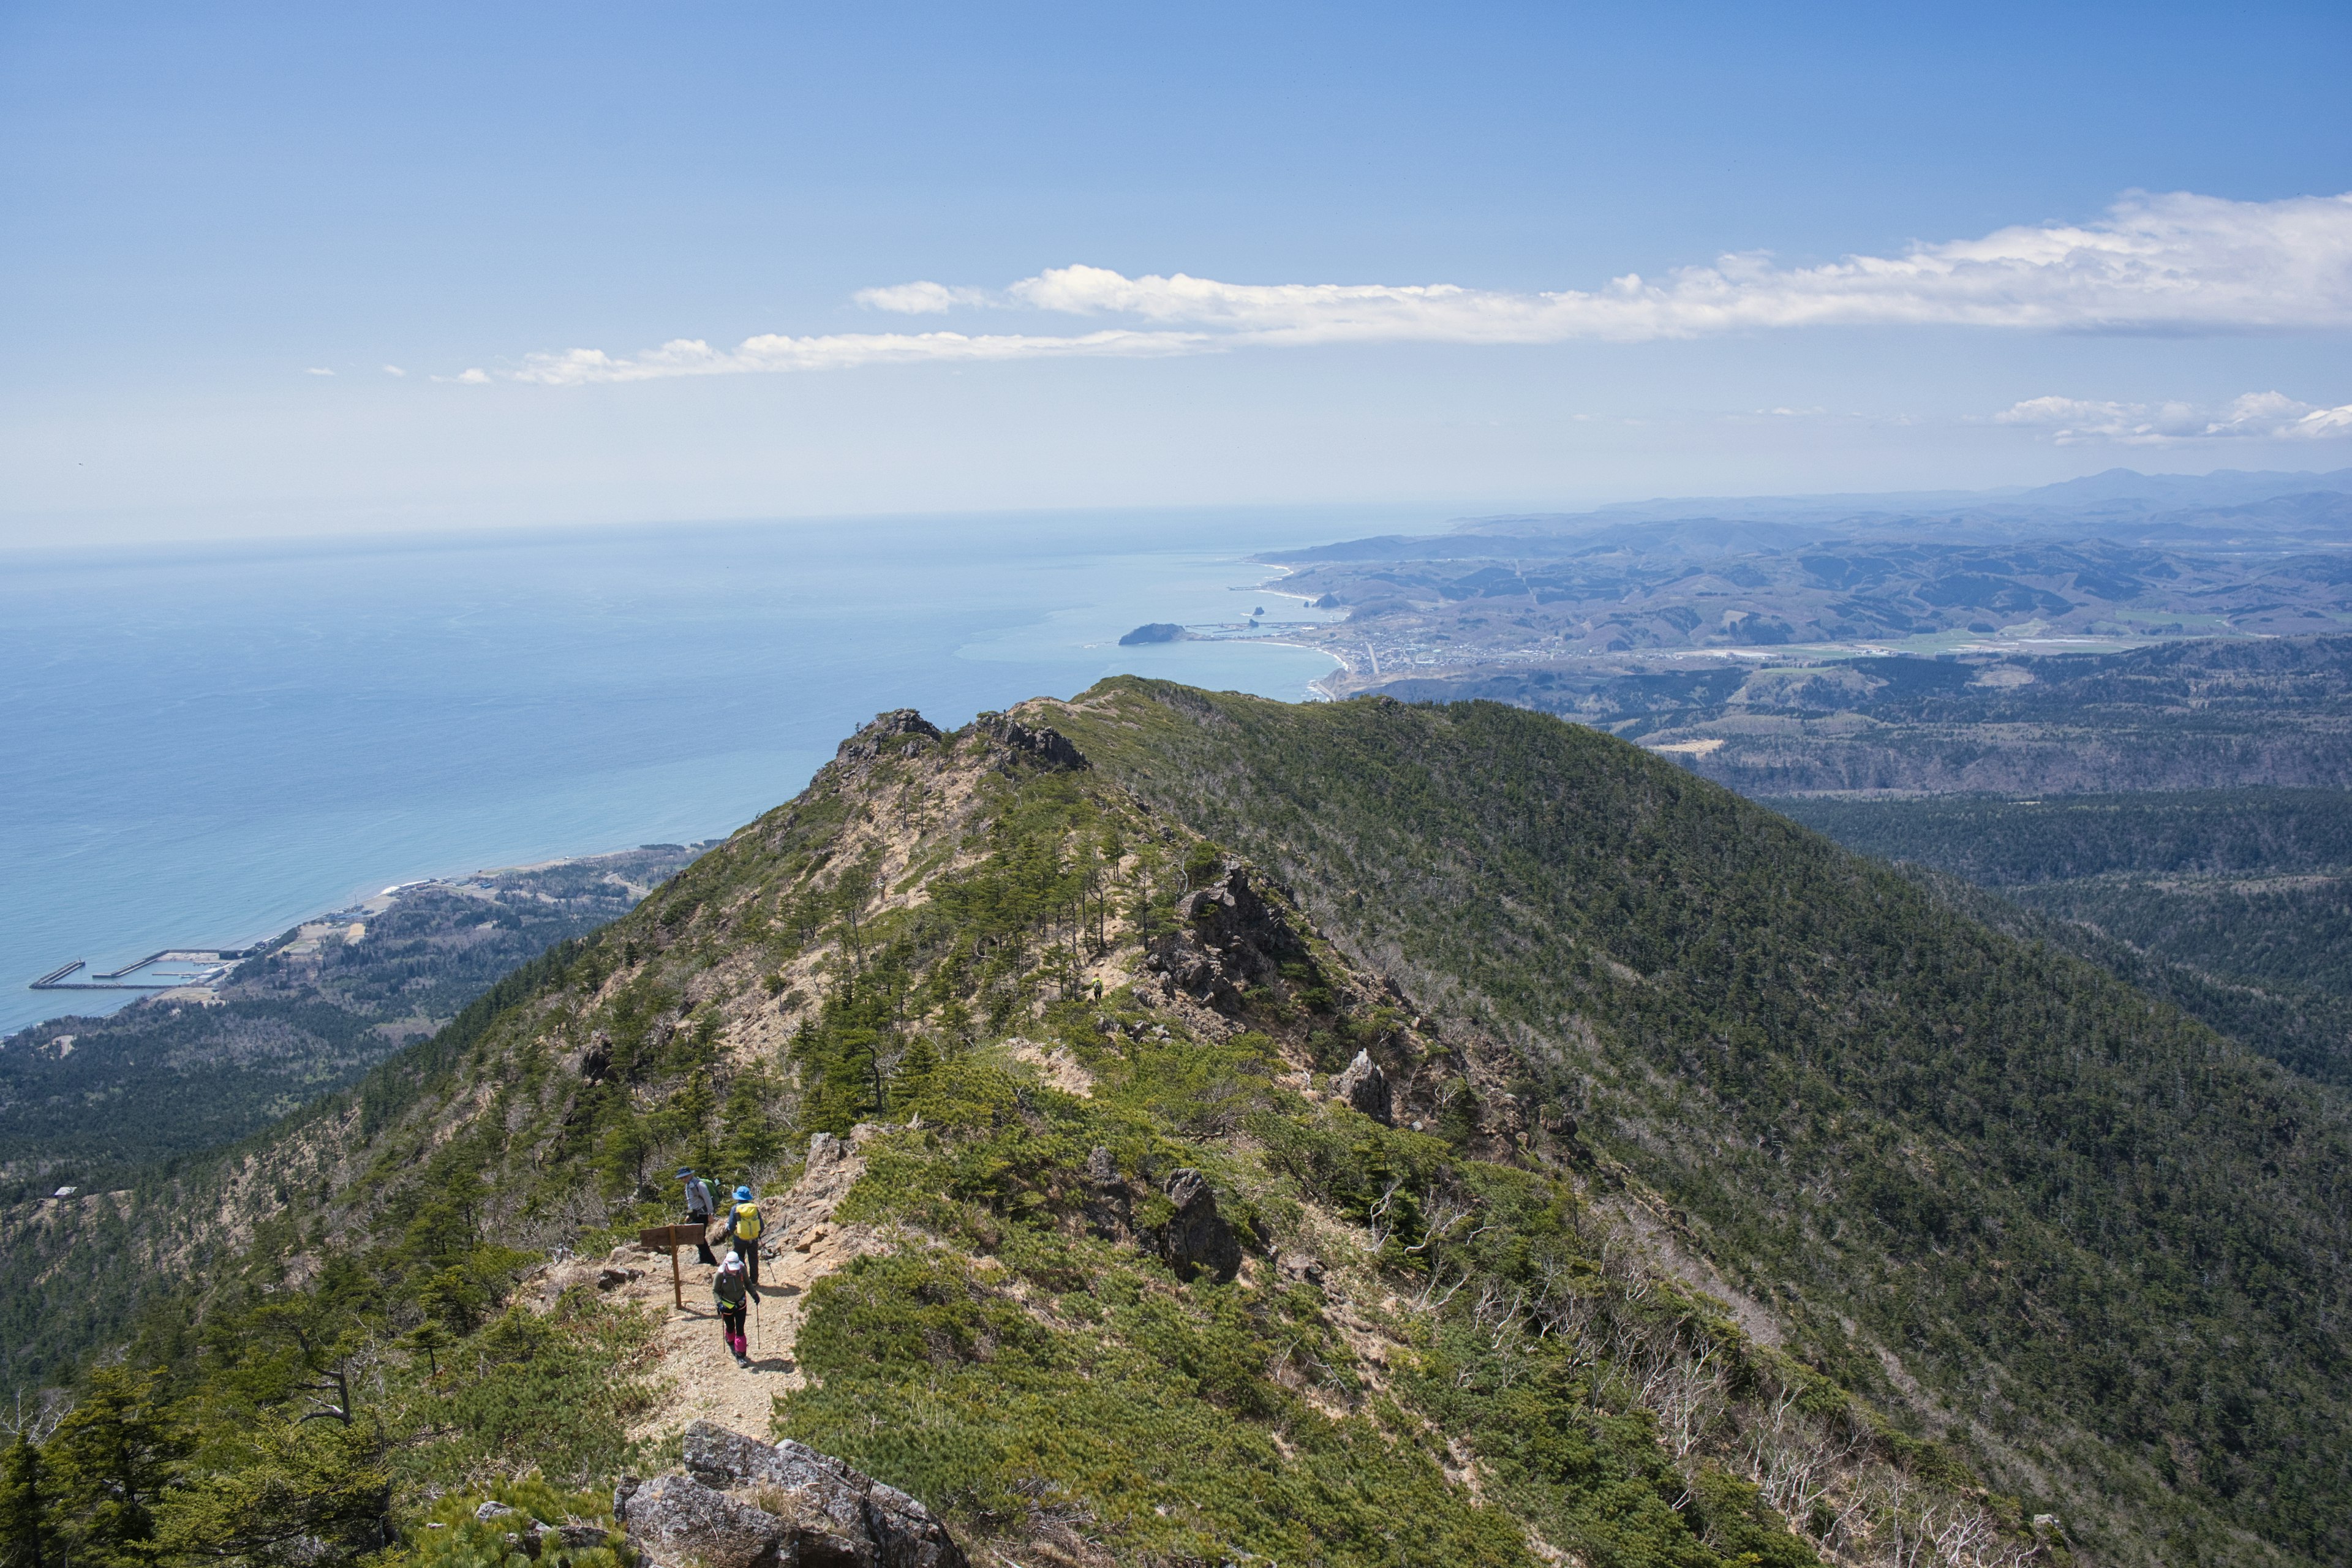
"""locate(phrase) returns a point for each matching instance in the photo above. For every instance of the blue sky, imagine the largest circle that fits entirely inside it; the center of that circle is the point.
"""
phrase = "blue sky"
(1180, 257)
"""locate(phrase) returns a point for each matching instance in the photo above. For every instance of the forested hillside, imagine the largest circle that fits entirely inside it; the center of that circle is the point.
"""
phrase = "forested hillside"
(2234, 904)
(1356, 1133)
(2100, 1239)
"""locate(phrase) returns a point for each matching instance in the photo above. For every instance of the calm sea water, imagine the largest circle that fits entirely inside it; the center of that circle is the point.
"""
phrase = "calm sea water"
(205, 746)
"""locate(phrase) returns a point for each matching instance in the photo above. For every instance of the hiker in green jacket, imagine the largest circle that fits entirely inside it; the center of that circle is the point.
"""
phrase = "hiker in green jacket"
(744, 1228)
(732, 1291)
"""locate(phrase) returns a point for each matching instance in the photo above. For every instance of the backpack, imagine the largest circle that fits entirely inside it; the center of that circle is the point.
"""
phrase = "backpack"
(747, 1221)
(735, 1297)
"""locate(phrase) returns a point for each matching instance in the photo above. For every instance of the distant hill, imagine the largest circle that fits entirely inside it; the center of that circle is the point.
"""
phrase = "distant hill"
(2126, 560)
(2189, 715)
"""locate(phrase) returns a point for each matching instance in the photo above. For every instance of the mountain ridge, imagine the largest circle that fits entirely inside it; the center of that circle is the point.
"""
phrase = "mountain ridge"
(1104, 987)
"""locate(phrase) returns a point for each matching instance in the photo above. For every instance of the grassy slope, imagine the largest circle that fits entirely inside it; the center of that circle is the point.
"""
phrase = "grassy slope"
(2102, 1240)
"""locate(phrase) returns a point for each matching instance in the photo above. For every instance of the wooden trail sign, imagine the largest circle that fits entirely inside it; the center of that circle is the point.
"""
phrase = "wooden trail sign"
(673, 1236)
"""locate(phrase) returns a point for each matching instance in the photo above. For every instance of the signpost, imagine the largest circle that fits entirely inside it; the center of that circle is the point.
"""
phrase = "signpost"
(673, 1236)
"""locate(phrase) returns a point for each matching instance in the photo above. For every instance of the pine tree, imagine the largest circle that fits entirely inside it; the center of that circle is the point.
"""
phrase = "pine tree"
(27, 1537)
(113, 1456)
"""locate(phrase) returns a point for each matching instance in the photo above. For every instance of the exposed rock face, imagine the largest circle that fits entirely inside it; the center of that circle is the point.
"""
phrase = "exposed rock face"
(745, 1504)
(1232, 938)
(676, 1521)
(1365, 1087)
(873, 738)
(1197, 1237)
(1038, 744)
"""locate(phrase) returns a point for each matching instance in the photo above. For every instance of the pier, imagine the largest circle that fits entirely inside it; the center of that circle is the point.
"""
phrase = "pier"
(217, 958)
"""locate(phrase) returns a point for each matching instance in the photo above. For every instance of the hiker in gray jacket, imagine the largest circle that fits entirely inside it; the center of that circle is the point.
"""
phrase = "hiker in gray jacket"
(699, 1207)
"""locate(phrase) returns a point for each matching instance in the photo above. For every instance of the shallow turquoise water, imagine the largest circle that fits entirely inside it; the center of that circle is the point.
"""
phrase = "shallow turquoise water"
(203, 747)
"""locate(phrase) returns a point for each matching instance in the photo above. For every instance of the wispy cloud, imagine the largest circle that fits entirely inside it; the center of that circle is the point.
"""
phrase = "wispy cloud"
(2257, 416)
(843, 351)
(2180, 263)
(318, 370)
(393, 370)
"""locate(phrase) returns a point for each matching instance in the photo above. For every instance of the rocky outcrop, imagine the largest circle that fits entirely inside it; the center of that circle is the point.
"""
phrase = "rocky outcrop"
(1049, 748)
(1365, 1087)
(1196, 1238)
(1230, 939)
(885, 734)
(742, 1503)
(676, 1521)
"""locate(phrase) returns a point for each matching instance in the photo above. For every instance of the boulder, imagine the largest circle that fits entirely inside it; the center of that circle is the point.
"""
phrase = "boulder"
(1196, 1238)
(676, 1521)
(812, 1510)
(1364, 1086)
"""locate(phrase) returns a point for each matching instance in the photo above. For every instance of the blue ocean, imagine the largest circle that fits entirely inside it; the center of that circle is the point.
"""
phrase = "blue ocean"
(202, 746)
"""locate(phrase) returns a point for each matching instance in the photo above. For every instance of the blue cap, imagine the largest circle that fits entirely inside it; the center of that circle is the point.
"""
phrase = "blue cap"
(742, 1194)
(685, 1170)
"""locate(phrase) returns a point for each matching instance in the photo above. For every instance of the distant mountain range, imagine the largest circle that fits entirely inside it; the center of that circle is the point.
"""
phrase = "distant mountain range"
(2230, 511)
(2107, 563)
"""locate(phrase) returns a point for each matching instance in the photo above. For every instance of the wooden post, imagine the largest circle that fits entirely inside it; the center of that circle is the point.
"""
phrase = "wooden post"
(669, 1235)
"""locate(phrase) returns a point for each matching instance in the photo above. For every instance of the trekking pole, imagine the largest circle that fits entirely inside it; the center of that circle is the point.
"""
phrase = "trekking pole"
(755, 1321)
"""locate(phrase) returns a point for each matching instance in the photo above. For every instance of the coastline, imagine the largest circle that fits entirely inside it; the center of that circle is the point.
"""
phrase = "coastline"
(329, 722)
(343, 922)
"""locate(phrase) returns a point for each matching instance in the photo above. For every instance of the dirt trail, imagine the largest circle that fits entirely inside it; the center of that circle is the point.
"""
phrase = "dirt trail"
(700, 1379)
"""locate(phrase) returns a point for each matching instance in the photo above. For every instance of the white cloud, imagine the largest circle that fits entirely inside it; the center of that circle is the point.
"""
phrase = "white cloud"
(475, 377)
(2153, 263)
(2156, 263)
(2257, 416)
(318, 370)
(393, 370)
(845, 350)
(919, 298)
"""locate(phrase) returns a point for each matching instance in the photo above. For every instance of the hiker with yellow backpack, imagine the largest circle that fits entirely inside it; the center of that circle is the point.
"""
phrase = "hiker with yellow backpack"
(744, 1228)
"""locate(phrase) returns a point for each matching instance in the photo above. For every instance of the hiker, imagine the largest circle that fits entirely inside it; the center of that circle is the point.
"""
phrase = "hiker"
(743, 1230)
(699, 1206)
(733, 1292)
